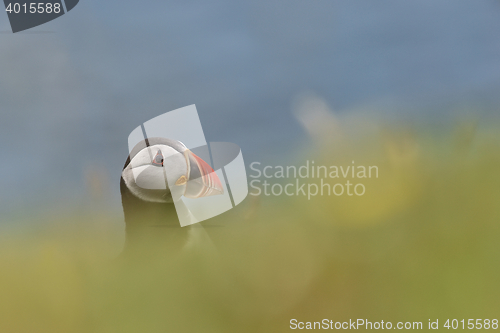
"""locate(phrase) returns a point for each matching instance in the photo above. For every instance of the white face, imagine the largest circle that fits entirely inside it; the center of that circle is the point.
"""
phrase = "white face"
(160, 173)
(157, 173)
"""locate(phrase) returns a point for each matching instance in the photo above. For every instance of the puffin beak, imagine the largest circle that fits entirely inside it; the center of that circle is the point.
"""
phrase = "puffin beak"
(203, 181)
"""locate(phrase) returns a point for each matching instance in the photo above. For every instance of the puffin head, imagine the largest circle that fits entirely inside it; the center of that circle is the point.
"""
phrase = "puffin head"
(160, 170)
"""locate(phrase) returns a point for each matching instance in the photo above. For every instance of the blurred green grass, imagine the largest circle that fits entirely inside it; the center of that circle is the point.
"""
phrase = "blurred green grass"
(422, 243)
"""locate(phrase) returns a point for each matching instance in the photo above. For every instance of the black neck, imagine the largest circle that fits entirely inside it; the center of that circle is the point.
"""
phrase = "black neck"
(151, 227)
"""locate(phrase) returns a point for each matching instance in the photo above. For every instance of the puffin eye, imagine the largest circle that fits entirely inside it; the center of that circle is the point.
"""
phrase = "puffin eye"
(158, 159)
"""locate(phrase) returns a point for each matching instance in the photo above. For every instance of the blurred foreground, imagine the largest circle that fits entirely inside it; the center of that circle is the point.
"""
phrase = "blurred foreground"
(422, 243)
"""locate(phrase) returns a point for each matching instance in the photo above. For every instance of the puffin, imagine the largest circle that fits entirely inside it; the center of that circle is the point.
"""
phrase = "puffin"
(157, 173)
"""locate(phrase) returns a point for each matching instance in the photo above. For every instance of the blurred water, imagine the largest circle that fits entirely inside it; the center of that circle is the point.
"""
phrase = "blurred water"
(69, 99)
(409, 87)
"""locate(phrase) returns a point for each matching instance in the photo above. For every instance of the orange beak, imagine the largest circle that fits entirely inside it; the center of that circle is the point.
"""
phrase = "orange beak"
(203, 181)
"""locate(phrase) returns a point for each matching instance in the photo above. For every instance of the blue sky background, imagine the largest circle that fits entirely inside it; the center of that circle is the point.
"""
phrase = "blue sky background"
(73, 89)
